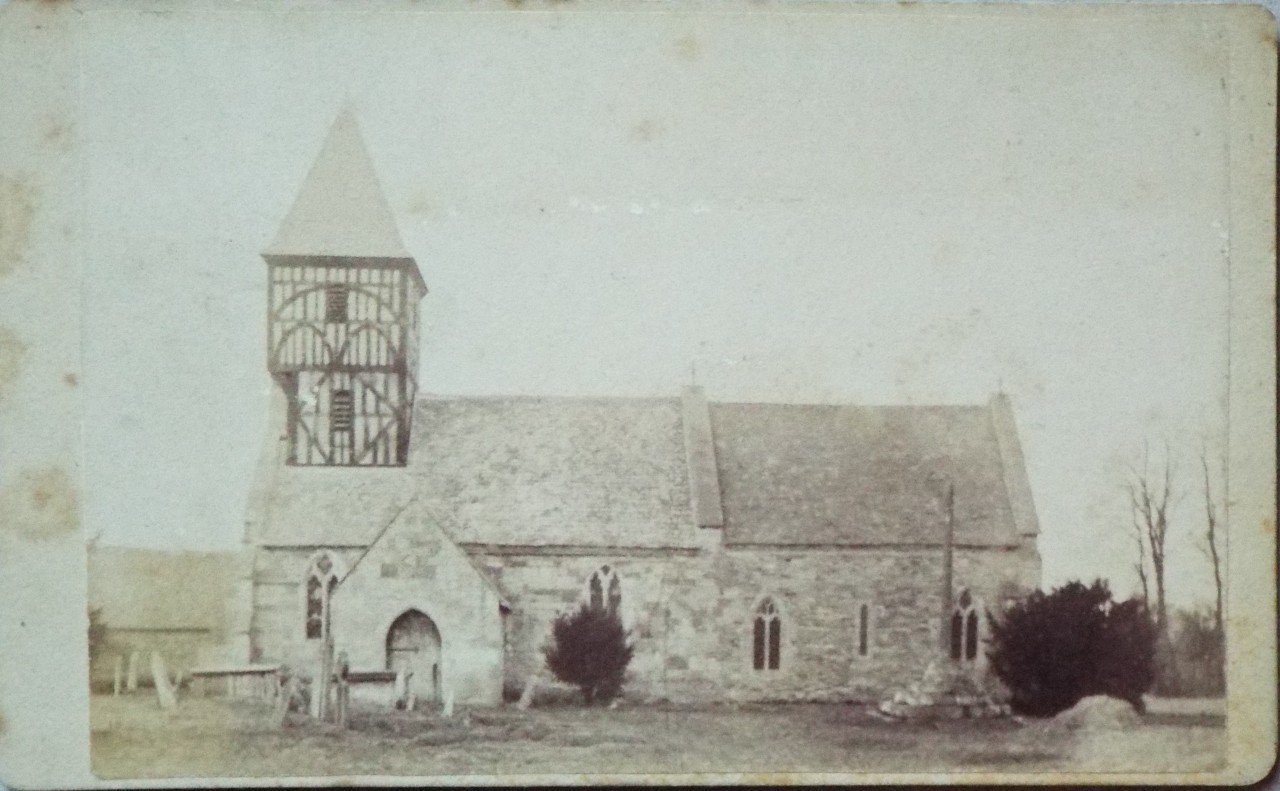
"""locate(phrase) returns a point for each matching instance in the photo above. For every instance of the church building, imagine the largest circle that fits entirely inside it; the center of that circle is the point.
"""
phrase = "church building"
(755, 551)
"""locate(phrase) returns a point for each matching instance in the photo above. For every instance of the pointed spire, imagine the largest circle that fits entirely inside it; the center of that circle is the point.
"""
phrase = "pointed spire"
(340, 210)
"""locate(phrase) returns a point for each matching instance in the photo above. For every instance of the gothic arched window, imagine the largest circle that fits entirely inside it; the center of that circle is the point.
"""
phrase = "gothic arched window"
(766, 647)
(604, 591)
(322, 580)
(964, 629)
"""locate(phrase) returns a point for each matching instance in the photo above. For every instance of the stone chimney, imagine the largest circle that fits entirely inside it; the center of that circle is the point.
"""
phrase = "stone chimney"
(700, 458)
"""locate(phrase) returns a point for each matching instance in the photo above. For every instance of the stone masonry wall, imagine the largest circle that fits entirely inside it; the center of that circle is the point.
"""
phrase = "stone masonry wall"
(415, 567)
(691, 615)
(278, 632)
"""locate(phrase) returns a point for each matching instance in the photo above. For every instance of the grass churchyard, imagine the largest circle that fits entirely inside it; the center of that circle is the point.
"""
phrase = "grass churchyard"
(217, 737)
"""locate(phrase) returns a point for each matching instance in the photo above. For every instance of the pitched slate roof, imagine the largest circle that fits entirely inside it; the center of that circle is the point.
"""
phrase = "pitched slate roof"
(616, 472)
(811, 474)
(150, 589)
(519, 470)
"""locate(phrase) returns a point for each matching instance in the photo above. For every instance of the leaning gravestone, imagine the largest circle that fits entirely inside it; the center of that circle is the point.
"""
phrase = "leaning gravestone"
(164, 688)
(131, 680)
(448, 704)
(285, 700)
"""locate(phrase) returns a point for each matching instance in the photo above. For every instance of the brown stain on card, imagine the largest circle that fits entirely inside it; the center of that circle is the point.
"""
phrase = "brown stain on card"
(17, 208)
(421, 206)
(688, 48)
(57, 135)
(648, 130)
(12, 353)
(39, 504)
(70, 379)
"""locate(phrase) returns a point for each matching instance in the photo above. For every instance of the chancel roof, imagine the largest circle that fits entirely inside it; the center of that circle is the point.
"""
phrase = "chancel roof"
(575, 472)
(818, 474)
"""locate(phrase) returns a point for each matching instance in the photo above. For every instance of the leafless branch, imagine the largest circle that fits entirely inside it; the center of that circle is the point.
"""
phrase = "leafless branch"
(1211, 539)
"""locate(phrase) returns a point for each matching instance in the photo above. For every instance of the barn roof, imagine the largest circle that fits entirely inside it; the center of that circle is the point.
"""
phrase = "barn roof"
(616, 473)
(151, 589)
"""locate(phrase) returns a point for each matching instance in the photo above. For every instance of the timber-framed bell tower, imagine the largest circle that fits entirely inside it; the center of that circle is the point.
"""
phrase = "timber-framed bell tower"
(342, 317)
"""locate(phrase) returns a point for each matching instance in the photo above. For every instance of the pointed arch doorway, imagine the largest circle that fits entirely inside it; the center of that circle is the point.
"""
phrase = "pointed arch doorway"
(413, 644)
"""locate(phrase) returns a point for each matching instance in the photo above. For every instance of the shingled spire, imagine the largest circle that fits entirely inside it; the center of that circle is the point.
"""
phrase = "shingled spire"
(341, 209)
(342, 334)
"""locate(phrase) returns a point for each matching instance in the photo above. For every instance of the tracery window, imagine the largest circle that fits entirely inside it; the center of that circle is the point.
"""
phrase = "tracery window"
(766, 646)
(964, 629)
(604, 591)
(322, 580)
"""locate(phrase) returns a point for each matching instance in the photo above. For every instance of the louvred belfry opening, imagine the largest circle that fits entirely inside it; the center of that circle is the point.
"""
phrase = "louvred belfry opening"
(342, 334)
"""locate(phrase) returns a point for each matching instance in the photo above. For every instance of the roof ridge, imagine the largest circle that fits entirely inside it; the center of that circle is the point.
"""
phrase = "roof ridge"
(500, 397)
(424, 398)
(853, 405)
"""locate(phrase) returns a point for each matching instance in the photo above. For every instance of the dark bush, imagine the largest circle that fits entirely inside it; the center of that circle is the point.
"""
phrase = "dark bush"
(1198, 669)
(590, 650)
(1052, 649)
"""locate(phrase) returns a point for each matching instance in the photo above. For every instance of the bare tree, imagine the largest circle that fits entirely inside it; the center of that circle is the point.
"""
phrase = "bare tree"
(1210, 547)
(1151, 497)
(1140, 538)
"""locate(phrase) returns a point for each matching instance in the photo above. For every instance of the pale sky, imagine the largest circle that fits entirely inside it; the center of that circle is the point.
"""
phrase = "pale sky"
(852, 207)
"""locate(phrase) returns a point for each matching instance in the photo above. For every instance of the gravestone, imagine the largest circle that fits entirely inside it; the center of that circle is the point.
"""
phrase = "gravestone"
(319, 708)
(164, 688)
(402, 687)
(343, 689)
(448, 703)
(117, 676)
(284, 701)
(313, 702)
(131, 680)
(526, 697)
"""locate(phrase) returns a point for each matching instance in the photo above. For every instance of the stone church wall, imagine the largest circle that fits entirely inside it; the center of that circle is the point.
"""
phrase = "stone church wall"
(539, 587)
(415, 567)
(692, 616)
(278, 632)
